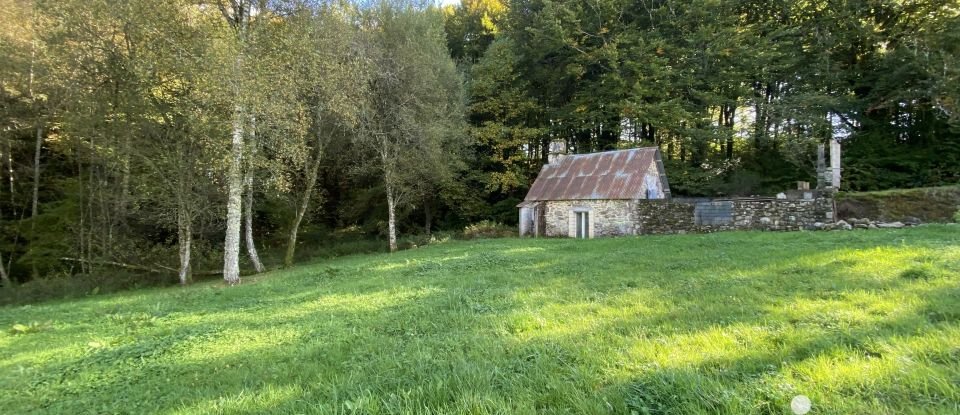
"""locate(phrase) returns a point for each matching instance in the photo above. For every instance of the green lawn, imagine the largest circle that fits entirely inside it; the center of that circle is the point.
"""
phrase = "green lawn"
(864, 322)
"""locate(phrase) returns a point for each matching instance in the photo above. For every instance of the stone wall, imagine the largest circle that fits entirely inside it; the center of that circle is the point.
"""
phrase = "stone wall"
(931, 204)
(681, 216)
(635, 217)
(607, 217)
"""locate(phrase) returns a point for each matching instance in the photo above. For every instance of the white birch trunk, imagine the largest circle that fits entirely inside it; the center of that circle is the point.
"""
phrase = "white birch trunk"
(81, 228)
(184, 240)
(391, 218)
(294, 228)
(248, 208)
(39, 129)
(3, 274)
(34, 207)
(10, 177)
(248, 223)
(36, 173)
(36, 154)
(302, 209)
(231, 248)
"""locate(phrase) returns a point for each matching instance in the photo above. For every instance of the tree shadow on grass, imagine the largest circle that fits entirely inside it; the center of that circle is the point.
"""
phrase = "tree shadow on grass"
(477, 330)
(874, 368)
(747, 378)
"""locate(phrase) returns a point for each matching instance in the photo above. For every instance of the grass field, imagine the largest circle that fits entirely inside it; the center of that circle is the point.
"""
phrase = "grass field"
(864, 322)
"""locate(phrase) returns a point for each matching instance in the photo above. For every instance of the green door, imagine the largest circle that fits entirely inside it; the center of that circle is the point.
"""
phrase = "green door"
(583, 225)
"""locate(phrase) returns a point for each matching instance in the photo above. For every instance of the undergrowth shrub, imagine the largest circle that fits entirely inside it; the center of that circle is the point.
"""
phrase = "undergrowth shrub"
(349, 247)
(933, 204)
(488, 229)
(319, 242)
(419, 240)
(956, 215)
(74, 286)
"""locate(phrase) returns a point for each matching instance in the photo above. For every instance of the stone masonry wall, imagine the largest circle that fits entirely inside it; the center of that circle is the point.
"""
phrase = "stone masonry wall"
(607, 217)
(677, 216)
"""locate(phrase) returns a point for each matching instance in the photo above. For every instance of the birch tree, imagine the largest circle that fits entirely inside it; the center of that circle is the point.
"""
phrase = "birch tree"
(280, 53)
(240, 17)
(17, 95)
(248, 187)
(329, 80)
(95, 48)
(413, 102)
(37, 102)
(25, 79)
(176, 151)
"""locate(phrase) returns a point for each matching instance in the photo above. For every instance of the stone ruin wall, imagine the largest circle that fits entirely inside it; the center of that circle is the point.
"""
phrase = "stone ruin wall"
(689, 216)
(638, 217)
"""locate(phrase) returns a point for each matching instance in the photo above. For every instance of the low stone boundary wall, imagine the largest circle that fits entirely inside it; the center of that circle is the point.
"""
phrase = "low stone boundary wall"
(690, 216)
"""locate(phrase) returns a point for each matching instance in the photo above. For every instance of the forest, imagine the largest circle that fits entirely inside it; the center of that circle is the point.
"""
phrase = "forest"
(180, 139)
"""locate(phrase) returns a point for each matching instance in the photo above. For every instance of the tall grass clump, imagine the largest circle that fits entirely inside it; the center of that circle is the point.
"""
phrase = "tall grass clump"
(488, 229)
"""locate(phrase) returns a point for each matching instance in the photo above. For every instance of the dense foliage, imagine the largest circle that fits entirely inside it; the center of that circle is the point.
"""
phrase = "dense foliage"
(735, 93)
(142, 135)
(164, 136)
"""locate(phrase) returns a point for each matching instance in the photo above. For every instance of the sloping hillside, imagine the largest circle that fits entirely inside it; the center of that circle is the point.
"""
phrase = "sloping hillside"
(861, 322)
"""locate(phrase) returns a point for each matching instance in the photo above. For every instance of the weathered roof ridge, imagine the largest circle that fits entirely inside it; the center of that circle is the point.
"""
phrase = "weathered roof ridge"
(610, 151)
(614, 174)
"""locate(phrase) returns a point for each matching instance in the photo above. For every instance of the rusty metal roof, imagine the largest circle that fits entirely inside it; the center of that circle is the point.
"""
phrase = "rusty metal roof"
(608, 175)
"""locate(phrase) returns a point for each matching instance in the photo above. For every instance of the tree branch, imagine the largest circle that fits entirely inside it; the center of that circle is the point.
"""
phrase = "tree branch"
(163, 269)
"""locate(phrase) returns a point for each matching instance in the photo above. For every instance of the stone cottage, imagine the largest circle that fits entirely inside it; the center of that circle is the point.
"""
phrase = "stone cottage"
(590, 195)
